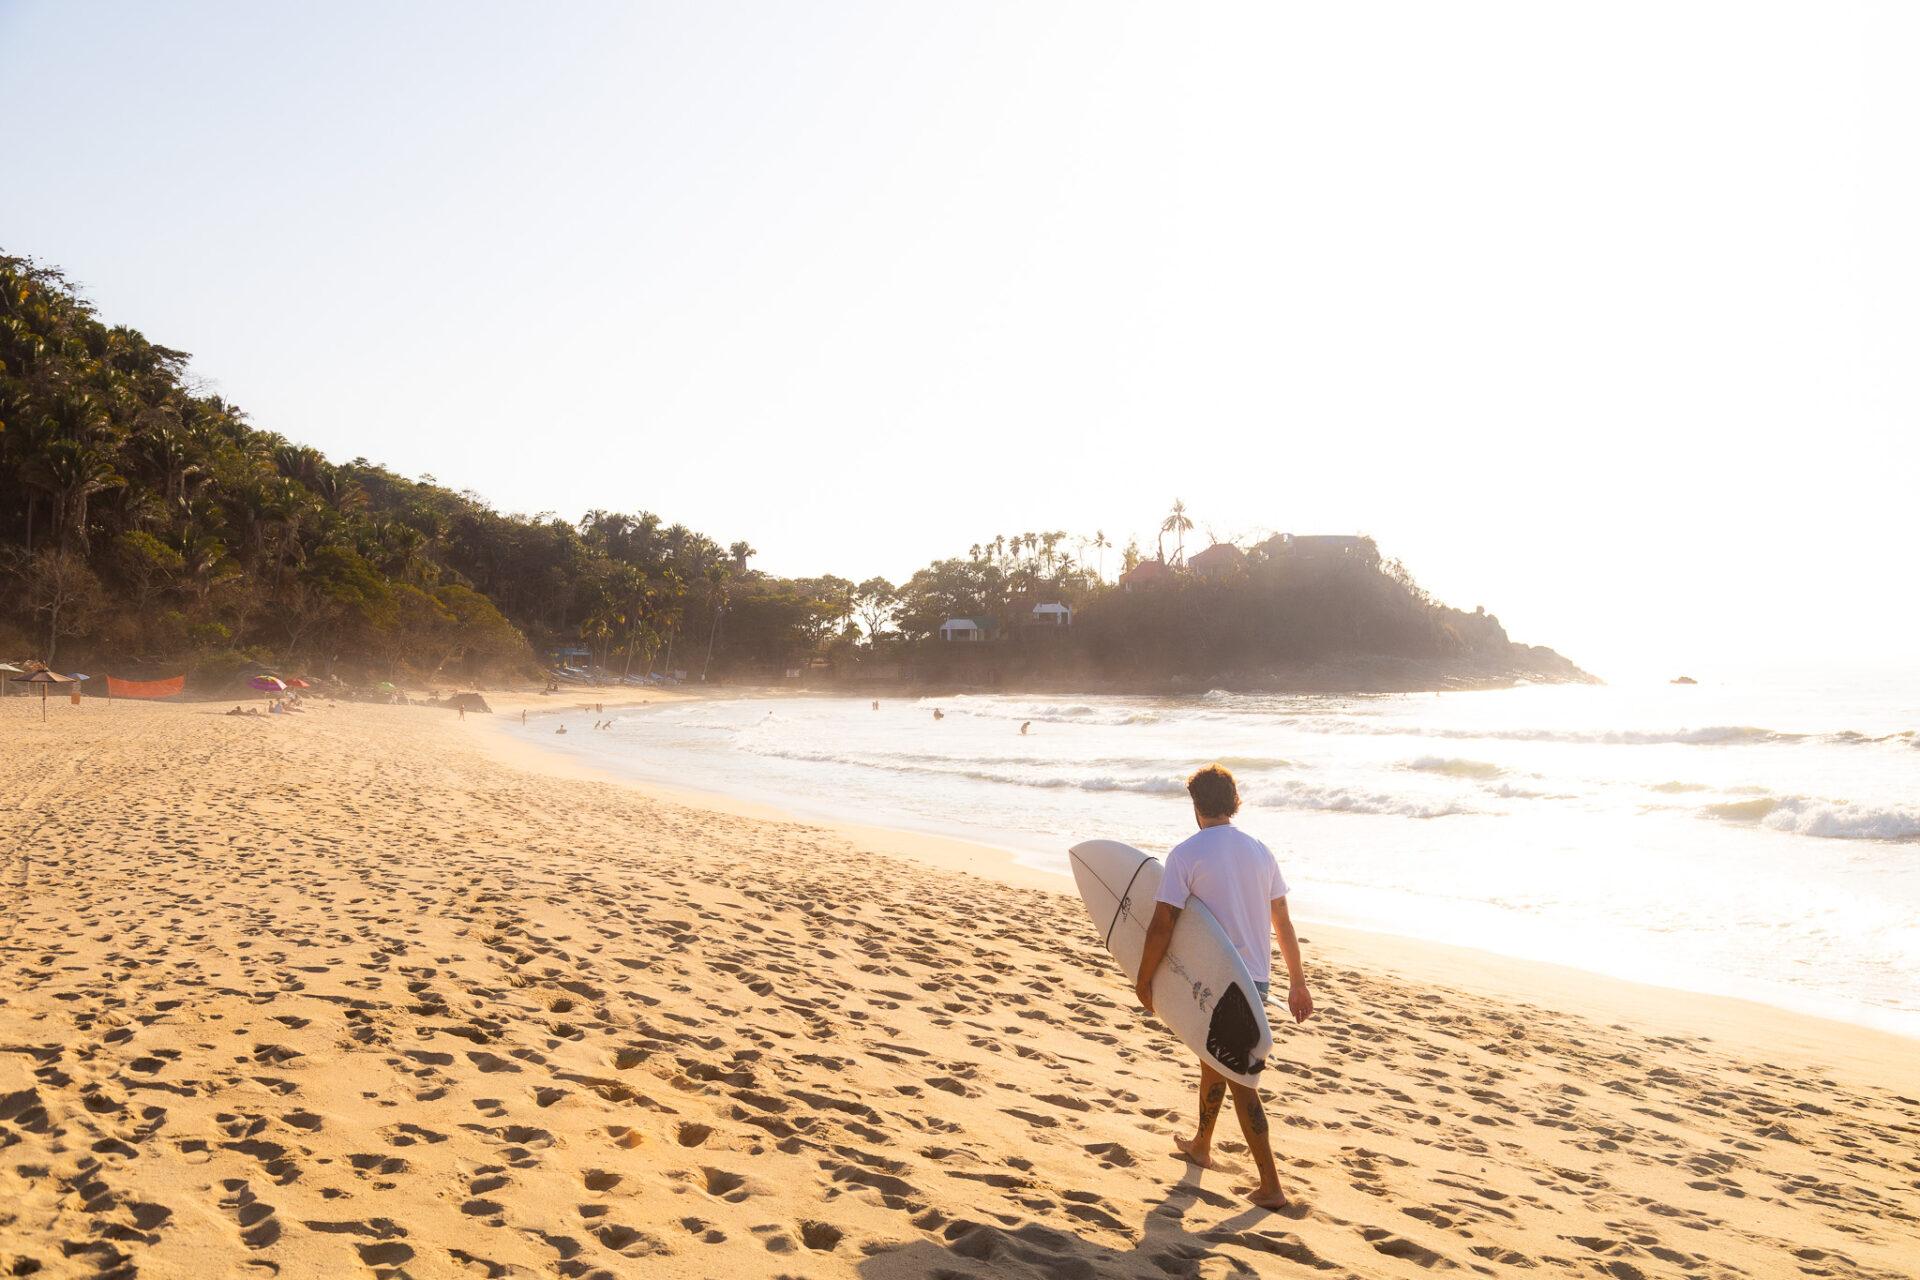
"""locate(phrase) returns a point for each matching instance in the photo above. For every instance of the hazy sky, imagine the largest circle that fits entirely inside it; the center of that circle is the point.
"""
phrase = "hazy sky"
(1600, 316)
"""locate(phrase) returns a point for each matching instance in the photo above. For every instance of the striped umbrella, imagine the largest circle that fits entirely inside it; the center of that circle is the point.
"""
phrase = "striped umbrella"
(271, 684)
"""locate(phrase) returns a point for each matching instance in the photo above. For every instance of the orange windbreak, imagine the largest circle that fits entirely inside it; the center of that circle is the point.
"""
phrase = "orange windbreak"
(145, 688)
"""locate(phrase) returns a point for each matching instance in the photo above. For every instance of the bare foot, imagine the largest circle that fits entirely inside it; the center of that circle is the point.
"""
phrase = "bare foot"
(1275, 1199)
(1195, 1153)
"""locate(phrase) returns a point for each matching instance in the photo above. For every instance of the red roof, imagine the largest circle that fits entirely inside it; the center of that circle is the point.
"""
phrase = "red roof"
(1146, 571)
(1220, 554)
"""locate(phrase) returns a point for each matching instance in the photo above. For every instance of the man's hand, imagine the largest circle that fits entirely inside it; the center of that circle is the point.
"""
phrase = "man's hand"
(1159, 933)
(1299, 1001)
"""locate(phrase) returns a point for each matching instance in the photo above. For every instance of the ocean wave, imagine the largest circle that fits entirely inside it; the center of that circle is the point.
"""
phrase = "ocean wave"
(1456, 768)
(1825, 819)
(1254, 764)
(1742, 810)
(1301, 795)
(1679, 788)
(1831, 821)
(1710, 735)
(1081, 714)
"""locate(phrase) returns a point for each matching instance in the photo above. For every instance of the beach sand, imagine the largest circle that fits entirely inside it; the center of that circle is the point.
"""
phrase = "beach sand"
(372, 991)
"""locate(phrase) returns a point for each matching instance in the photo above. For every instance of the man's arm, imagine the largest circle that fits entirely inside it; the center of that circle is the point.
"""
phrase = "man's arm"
(1299, 999)
(1159, 933)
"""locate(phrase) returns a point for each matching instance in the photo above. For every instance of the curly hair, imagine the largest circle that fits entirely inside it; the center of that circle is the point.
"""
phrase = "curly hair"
(1214, 793)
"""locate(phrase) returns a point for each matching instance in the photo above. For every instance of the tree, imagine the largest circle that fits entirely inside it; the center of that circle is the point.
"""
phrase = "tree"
(717, 578)
(71, 471)
(147, 565)
(1102, 545)
(874, 600)
(63, 590)
(1179, 526)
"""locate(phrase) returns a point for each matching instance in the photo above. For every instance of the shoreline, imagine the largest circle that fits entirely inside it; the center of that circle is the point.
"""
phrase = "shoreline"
(1485, 970)
(348, 992)
(1751, 1023)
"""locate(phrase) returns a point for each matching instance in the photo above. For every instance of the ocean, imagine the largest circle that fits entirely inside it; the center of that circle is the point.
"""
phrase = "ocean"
(1758, 840)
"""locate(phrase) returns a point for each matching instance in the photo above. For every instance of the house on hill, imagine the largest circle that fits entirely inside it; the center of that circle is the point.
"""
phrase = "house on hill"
(1051, 613)
(974, 630)
(1025, 611)
(1216, 559)
(1316, 546)
(1145, 574)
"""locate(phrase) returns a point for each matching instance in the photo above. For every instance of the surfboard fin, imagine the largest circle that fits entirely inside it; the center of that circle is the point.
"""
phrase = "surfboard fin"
(1233, 1031)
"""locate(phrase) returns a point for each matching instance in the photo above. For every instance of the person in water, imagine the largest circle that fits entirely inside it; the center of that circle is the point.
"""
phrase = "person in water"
(1238, 879)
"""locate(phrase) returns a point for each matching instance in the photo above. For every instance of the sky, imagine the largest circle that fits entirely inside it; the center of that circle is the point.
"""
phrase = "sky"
(1601, 317)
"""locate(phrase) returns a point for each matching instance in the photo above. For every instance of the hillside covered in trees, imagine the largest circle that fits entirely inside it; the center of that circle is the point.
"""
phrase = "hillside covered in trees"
(148, 529)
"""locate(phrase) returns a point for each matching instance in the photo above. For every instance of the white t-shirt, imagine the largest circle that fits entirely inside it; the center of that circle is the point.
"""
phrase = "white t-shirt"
(1238, 878)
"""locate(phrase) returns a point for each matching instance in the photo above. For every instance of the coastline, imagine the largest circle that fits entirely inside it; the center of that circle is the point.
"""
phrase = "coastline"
(1658, 1010)
(348, 991)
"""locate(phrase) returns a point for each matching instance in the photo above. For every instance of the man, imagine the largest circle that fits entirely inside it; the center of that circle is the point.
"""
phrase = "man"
(1238, 879)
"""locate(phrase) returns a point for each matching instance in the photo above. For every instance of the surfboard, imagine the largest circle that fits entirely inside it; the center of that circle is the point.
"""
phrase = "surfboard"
(1202, 989)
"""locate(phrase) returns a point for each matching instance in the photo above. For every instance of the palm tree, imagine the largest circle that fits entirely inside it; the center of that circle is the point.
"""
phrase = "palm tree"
(717, 578)
(170, 450)
(1048, 542)
(741, 553)
(1178, 525)
(71, 471)
(1101, 544)
(672, 589)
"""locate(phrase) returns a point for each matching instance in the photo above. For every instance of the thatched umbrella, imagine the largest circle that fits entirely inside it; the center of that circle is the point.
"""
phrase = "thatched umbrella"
(43, 678)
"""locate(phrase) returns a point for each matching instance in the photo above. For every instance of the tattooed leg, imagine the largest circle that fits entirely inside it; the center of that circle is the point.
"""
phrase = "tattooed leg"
(1253, 1123)
(1213, 1092)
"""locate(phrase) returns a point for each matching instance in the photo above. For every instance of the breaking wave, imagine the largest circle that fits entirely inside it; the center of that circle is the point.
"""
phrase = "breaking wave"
(1301, 795)
(1826, 819)
(1711, 735)
(1457, 768)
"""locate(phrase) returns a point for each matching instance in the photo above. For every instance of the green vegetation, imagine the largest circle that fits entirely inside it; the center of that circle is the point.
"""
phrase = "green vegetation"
(145, 528)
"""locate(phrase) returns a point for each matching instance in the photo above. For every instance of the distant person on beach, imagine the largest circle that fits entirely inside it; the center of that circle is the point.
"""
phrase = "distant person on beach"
(1025, 727)
(561, 729)
(938, 714)
(876, 704)
(1238, 879)
(523, 715)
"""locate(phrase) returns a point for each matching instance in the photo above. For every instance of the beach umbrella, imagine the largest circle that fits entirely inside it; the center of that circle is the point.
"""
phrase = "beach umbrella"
(271, 684)
(386, 684)
(298, 683)
(8, 669)
(43, 679)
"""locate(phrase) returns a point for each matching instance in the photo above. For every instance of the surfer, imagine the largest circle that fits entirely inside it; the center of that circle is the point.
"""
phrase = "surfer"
(1238, 879)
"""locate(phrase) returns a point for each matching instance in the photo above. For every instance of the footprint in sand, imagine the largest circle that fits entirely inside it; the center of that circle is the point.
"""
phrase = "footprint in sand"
(258, 1225)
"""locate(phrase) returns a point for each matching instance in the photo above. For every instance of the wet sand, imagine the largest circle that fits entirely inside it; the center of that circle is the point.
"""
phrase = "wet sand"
(373, 991)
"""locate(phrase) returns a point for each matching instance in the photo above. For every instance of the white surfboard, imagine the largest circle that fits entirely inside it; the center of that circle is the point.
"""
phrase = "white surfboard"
(1202, 989)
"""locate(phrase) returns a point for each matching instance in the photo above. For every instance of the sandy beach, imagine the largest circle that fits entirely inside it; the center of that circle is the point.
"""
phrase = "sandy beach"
(375, 991)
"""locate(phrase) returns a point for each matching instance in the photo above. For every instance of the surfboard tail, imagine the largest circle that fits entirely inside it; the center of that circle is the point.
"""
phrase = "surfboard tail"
(1233, 1033)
